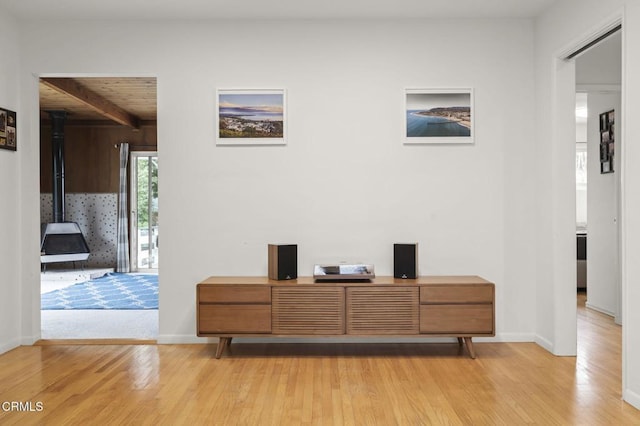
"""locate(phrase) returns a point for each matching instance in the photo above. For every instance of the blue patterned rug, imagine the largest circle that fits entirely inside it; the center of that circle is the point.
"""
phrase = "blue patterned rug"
(112, 291)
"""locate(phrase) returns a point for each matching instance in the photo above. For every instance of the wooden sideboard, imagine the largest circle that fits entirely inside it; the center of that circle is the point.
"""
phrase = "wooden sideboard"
(429, 306)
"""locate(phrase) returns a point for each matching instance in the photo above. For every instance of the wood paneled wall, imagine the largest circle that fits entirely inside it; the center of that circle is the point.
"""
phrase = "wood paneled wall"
(91, 155)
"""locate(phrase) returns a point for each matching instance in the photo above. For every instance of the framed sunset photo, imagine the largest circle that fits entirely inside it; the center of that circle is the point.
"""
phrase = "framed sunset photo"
(443, 116)
(250, 117)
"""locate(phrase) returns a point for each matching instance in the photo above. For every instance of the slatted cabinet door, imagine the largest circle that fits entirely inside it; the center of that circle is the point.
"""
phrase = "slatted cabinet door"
(383, 310)
(308, 310)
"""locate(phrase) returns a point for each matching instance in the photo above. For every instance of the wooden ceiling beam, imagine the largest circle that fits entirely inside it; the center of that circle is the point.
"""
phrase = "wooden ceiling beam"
(72, 88)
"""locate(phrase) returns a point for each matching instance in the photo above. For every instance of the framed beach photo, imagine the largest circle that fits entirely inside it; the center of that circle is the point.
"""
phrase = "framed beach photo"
(250, 117)
(438, 116)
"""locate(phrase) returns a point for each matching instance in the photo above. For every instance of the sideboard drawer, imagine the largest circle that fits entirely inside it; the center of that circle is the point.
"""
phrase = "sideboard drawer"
(456, 294)
(234, 294)
(456, 319)
(234, 319)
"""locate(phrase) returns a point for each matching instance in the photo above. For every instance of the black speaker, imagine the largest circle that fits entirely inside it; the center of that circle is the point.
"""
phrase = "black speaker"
(405, 260)
(283, 261)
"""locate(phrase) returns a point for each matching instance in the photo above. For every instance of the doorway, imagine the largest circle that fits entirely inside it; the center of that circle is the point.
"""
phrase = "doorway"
(144, 211)
(598, 85)
(598, 79)
(79, 300)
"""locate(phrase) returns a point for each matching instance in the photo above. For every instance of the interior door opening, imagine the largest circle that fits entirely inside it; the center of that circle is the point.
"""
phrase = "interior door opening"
(598, 83)
(91, 299)
(598, 78)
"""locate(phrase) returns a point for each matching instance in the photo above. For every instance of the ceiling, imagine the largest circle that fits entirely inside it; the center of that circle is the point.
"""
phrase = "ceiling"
(129, 101)
(273, 9)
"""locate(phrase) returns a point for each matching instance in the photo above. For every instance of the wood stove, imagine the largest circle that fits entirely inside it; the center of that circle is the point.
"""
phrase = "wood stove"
(61, 241)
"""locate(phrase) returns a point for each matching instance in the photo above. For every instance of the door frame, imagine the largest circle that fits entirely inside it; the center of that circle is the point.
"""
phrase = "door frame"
(565, 324)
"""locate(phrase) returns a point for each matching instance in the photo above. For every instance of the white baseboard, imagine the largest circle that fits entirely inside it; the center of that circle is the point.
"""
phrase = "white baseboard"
(631, 397)
(29, 341)
(511, 338)
(6, 347)
(178, 339)
(184, 339)
(598, 309)
(544, 343)
(547, 345)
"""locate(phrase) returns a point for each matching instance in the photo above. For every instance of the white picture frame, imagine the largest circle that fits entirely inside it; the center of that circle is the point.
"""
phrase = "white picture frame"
(250, 117)
(439, 116)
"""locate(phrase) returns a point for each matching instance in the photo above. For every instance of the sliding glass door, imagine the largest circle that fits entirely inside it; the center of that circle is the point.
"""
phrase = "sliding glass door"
(144, 210)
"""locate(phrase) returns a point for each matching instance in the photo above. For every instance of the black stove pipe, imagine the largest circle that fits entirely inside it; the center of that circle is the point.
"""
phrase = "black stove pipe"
(57, 149)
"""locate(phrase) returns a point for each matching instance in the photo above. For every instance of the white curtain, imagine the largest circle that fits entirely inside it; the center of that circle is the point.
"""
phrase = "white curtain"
(123, 213)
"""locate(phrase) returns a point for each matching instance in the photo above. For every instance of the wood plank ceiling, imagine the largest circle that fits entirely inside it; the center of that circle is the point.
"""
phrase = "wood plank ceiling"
(128, 101)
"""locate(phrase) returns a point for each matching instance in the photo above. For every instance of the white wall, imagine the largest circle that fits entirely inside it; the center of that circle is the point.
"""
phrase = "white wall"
(602, 206)
(563, 26)
(345, 187)
(601, 65)
(9, 190)
(473, 209)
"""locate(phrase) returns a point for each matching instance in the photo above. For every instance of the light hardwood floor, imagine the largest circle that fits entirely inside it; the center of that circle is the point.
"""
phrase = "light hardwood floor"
(275, 384)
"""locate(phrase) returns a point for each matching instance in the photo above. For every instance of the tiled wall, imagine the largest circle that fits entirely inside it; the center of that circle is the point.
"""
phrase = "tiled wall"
(97, 216)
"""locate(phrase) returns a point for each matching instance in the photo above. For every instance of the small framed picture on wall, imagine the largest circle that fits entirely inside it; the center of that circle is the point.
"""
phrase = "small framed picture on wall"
(607, 141)
(8, 139)
(438, 116)
(251, 117)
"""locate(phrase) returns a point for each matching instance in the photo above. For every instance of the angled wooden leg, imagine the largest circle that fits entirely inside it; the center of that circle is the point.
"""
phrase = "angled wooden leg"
(460, 342)
(222, 344)
(469, 343)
